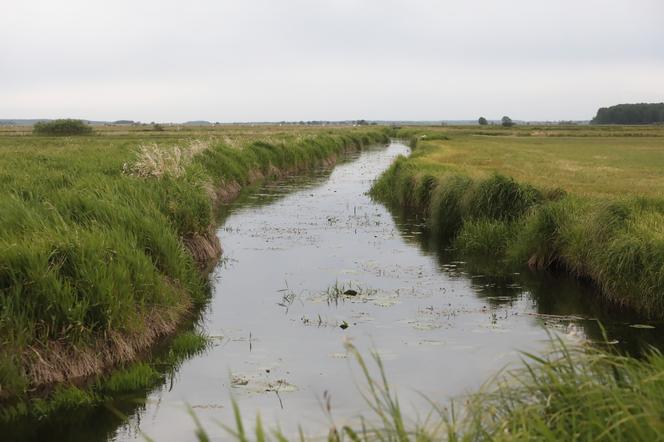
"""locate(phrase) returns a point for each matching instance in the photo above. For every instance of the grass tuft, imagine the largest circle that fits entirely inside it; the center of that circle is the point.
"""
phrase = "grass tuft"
(582, 393)
(137, 377)
(154, 161)
(186, 345)
(485, 237)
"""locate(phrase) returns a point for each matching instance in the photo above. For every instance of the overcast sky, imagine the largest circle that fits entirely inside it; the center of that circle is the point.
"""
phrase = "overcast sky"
(270, 60)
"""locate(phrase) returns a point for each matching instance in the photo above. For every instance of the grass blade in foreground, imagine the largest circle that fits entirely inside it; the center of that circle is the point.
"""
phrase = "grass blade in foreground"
(571, 393)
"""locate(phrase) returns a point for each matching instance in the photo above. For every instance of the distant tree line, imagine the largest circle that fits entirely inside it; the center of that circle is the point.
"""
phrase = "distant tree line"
(327, 122)
(641, 113)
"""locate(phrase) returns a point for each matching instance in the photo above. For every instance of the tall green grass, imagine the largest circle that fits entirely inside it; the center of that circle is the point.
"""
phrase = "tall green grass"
(96, 261)
(570, 394)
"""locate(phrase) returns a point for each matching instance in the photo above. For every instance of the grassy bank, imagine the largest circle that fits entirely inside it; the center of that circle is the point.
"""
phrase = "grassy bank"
(107, 238)
(592, 205)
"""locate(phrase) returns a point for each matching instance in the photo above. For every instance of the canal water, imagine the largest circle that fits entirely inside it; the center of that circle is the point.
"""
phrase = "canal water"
(278, 316)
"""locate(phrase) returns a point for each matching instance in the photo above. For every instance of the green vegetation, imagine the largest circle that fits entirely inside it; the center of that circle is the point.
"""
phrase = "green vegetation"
(106, 239)
(65, 127)
(571, 393)
(591, 205)
(641, 113)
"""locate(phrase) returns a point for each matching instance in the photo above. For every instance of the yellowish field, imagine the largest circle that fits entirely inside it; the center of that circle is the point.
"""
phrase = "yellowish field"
(597, 166)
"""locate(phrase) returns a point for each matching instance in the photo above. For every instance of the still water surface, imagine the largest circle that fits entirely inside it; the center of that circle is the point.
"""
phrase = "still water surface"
(440, 326)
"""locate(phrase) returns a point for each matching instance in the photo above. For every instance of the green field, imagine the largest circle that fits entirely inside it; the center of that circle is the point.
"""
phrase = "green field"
(107, 238)
(591, 204)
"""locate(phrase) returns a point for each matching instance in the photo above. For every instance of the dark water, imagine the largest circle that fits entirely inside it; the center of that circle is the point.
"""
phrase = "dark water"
(440, 326)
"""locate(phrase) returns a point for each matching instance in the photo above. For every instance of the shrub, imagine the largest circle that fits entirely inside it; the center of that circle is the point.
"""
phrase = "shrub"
(506, 121)
(62, 128)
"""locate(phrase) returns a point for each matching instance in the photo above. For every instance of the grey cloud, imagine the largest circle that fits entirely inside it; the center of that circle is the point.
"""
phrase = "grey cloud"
(296, 59)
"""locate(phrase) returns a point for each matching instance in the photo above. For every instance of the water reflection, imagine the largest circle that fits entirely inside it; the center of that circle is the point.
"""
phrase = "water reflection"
(557, 298)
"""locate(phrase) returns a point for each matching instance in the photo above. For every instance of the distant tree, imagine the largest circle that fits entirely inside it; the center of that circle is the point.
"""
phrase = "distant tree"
(482, 121)
(506, 121)
(62, 127)
(158, 127)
